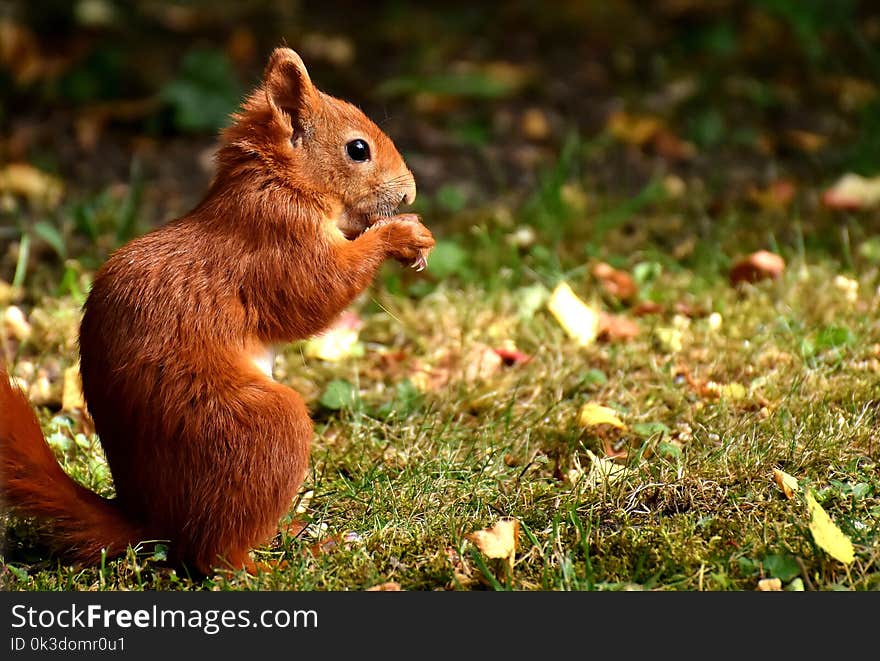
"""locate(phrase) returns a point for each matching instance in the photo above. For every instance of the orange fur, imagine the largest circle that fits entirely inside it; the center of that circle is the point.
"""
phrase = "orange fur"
(205, 449)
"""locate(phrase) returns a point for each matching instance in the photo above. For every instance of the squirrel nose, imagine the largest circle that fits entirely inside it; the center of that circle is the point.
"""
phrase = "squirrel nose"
(409, 193)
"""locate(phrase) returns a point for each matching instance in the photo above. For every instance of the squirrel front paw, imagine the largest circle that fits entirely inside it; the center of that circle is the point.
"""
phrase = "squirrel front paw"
(406, 239)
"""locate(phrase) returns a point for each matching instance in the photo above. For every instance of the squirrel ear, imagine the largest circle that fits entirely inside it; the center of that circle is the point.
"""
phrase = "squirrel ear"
(289, 89)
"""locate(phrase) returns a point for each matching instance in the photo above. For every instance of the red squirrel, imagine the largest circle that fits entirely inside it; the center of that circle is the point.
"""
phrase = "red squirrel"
(176, 342)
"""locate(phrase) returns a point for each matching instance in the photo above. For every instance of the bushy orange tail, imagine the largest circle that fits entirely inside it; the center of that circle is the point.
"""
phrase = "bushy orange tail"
(33, 484)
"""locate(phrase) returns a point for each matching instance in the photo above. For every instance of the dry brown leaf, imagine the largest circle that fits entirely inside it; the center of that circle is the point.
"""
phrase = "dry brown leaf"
(617, 283)
(617, 327)
(786, 482)
(759, 265)
(689, 310)
(645, 308)
(671, 147)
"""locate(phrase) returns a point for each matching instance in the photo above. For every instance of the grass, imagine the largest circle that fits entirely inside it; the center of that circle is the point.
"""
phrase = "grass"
(401, 474)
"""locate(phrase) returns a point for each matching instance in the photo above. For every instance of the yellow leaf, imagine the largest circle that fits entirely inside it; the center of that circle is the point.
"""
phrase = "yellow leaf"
(26, 181)
(592, 414)
(633, 129)
(732, 391)
(786, 482)
(827, 535)
(72, 397)
(499, 541)
(16, 323)
(578, 319)
(338, 342)
(603, 470)
(669, 339)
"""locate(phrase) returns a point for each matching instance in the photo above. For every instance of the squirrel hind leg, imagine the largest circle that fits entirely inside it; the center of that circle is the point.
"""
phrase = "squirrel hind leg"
(245, 494)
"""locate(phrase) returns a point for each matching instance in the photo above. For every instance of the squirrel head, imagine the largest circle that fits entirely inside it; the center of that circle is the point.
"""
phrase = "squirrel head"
(319, 145)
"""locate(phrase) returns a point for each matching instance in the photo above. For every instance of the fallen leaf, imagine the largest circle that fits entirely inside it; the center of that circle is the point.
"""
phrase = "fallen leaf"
(338, 342)
(853, 192)
(534, 124)
(633, 129)
(689, 310)
(848, 286)
(480, 362)
(579, 320)
(529, 300)
(759, 265)
(770, 585)
(304, 501)
(805, 141)
(617, 327)
(16, 324)
(71, 394)
(645, 308)
(786, 482)
(37, 187)
(732, 391)
(390, 586)
(603, 470)
(617, 283)
(325, 545)
(671, 147)
(670, 340)
(499, 541)
(777, 196)
(852, 93)
(593, 414)
(674, 186)
(827, 535)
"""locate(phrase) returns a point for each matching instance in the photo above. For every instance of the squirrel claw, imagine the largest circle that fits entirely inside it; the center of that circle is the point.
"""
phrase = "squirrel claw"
(420, 263)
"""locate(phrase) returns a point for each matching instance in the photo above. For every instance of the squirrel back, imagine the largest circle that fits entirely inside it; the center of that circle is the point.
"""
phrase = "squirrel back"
(205, 449)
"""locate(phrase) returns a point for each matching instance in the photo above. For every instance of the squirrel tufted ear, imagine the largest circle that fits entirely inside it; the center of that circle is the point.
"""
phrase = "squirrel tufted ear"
(289, 89)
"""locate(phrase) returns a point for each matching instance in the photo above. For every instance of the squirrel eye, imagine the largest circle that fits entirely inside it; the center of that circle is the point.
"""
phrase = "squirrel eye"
(358, 150)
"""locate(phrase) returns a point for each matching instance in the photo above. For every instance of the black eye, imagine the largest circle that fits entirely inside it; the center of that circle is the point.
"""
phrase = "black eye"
(358, 150)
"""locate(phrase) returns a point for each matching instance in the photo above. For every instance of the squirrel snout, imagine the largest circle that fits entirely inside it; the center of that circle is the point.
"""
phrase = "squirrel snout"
(408, 196)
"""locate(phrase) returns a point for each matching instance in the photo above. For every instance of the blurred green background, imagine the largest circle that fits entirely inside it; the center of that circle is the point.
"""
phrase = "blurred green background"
(569, 117)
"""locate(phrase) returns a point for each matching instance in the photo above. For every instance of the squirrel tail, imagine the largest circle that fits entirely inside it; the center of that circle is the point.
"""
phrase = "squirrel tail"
(32, 483)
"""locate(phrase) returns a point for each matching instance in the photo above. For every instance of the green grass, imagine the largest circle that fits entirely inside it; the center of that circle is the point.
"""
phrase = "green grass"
(399, 476)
